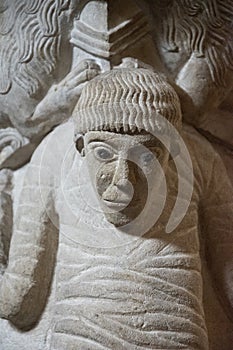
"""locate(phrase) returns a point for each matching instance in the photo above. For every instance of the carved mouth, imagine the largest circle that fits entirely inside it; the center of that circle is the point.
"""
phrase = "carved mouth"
(122, 206)
(115, 205)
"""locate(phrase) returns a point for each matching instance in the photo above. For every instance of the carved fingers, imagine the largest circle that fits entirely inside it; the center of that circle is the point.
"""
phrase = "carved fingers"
(83, 72)
(72, 84)
(130, 62)
(61, 98)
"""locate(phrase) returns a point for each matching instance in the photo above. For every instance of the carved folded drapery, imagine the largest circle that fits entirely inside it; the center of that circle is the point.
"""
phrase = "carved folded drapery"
(73, 272)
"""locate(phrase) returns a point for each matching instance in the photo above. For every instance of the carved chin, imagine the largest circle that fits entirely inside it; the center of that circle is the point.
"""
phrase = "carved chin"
(124, 216)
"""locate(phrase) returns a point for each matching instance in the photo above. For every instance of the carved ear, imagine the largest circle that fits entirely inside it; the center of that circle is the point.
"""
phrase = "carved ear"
(79, 143)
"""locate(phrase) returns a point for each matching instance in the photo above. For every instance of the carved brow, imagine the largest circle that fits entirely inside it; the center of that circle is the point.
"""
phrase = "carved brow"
(98, 140)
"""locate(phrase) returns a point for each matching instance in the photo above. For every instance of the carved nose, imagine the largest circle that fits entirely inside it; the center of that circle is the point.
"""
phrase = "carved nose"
(121, 188)
(121, 192)
(125, 172)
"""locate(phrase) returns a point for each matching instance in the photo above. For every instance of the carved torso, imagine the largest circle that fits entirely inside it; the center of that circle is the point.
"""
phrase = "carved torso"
(110, 289)
(118, 291)
(132, 297)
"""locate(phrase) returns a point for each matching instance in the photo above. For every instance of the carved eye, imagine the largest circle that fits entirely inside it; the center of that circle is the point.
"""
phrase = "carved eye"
(103, 153)
(146, 158)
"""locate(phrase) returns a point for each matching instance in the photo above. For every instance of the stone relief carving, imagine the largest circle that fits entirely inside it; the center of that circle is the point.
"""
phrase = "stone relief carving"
(38, 92)
(91, 279)
(194, 42)
(12, 142)
(36, 54)
(6, 216)
(55, 47)
(117, 31)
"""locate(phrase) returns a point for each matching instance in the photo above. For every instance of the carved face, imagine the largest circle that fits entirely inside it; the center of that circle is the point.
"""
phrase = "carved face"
(120, 167)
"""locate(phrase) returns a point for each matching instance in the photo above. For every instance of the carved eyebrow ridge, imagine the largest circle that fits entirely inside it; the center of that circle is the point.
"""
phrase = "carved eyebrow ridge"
(154, 142)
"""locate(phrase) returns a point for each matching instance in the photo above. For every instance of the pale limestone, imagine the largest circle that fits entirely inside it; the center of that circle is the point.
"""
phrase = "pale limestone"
(42, 74)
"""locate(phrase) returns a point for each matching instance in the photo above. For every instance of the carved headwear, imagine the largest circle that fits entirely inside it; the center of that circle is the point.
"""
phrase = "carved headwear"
(127, 99)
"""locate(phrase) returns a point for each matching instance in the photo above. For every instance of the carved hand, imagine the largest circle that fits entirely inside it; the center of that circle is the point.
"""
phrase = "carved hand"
(60, 100)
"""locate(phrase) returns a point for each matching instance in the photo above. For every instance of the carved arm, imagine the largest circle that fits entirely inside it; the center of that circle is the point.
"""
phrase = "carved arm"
(217, 226)
(59, 101)
(25, 284)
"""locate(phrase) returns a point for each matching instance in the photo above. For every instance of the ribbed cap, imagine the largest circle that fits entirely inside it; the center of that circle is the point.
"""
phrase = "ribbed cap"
(127, 99)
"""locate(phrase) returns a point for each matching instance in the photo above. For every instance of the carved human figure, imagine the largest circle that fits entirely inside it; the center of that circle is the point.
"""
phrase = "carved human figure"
(116, 286)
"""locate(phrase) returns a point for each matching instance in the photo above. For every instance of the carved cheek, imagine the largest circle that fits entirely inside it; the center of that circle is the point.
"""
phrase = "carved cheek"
(104, 177)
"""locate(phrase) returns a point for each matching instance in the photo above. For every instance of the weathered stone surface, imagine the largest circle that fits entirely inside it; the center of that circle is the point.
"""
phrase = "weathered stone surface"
(122, 233)
(113, 289)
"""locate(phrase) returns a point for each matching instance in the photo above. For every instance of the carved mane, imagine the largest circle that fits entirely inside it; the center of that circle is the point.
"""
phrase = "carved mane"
(205, 28)
(29, 42)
